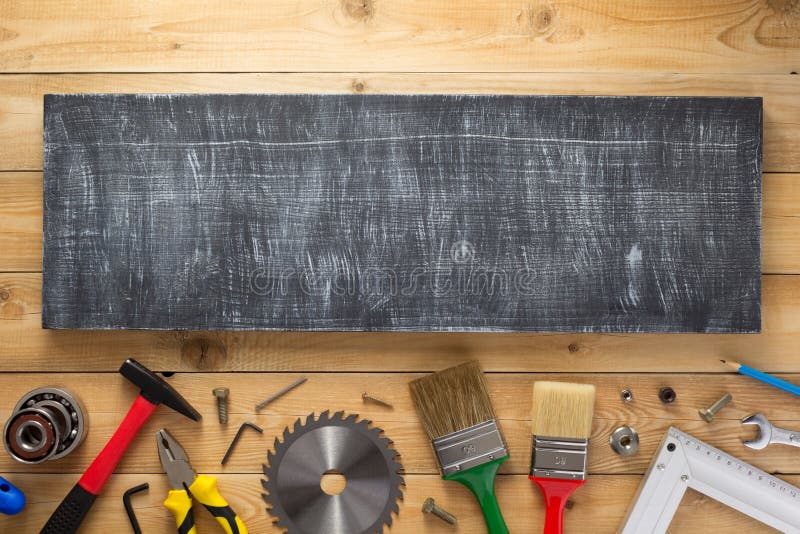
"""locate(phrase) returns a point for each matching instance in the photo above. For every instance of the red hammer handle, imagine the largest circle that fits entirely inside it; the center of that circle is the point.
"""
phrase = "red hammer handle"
(70, 513)
(96, 476)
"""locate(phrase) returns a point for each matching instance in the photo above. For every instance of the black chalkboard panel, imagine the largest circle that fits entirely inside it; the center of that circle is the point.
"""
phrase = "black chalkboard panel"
(402, 212)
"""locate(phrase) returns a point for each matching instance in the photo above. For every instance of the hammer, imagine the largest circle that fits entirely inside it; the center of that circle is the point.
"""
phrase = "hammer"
(154, 391)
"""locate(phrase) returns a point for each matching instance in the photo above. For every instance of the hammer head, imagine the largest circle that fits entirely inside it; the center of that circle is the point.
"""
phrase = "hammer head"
(156, 390)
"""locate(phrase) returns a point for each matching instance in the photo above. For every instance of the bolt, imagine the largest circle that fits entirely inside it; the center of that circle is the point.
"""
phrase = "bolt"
(709, 413)
(222, 403)
(430, 507)
(368, 398)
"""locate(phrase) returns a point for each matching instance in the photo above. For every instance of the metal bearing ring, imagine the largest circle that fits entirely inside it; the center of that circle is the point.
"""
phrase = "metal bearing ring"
(46, 424)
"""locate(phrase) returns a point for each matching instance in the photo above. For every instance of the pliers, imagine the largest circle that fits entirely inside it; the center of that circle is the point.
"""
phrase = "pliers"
(187, 485)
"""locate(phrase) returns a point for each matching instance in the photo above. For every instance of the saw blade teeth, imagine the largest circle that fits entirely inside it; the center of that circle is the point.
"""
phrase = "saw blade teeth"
(275, 484)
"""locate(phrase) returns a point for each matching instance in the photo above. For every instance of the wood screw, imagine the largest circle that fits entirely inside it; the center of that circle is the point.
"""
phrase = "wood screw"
(430, 507)
(368, 398)
(709, 413)
(222, 403)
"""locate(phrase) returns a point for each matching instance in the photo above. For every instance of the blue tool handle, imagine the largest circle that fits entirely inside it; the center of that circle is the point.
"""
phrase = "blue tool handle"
(12, 500)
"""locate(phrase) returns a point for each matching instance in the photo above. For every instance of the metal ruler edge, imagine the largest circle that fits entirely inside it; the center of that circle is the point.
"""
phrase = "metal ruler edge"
(683, 461)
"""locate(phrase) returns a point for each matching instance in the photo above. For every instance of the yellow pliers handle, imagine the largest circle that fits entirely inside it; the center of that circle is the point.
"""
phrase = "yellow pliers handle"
(204, 490)
(180, 504)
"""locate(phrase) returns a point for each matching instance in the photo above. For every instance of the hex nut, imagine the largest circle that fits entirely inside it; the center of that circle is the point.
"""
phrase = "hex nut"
(624, 441)
(667, 395)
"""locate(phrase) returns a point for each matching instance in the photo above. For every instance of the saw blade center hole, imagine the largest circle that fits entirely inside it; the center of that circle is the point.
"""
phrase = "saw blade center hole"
(332, 482)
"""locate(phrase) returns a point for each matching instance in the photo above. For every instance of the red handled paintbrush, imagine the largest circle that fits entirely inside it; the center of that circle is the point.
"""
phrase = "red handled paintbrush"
(561, 421)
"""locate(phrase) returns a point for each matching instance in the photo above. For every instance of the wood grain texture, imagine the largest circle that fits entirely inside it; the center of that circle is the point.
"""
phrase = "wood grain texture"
(402, 213)
(741, 36)
(612, 48)
(25, 346)
(108, 396)
(21, 96)
(599, 506)
(21, 223)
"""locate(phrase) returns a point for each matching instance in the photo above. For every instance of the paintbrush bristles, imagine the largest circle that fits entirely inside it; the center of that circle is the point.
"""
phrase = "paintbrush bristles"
(452, 400)
(562, 410)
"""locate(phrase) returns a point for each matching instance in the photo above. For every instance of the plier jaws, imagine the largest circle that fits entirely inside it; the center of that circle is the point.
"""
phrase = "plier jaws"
(174, 461)
(188, 485)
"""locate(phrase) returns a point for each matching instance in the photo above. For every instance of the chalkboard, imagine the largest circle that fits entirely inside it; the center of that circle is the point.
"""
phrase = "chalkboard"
(402, 213)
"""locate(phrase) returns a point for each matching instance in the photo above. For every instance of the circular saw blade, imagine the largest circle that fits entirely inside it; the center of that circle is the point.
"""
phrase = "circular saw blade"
(332, 444)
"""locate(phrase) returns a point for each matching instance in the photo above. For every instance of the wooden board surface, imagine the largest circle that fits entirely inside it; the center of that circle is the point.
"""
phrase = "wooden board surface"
(620, 48)
(406, 35)
(402, 213)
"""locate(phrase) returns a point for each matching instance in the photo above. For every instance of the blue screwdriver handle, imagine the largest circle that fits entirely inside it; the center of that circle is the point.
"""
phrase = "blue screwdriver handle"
(12, 500)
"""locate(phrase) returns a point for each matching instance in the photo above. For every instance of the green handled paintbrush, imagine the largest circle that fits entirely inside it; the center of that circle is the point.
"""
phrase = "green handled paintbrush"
(457, 414)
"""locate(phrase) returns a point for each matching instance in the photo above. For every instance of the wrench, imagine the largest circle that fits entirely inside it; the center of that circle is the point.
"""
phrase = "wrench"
(768, 434)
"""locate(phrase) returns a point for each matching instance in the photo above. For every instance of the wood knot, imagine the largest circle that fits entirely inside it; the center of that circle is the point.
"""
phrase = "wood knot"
(10, 308)
(359, 86)
(7, 35)
(541, 19)
(780, 28)
(204, 352)
(176, 46)
(361, 10)
(574, 347)
(537, 20)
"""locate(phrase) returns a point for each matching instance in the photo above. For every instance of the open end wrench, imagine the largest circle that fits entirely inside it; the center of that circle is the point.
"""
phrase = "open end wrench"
(769, 434)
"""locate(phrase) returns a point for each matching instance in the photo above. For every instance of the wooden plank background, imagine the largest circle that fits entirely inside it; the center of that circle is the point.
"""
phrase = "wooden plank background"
(627, 47)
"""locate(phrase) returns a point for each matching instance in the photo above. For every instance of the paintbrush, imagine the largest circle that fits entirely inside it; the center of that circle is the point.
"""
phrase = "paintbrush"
(457, 414)
(561, 421)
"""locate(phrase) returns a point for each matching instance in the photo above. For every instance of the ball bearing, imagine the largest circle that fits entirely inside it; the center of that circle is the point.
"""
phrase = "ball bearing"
(47, 424)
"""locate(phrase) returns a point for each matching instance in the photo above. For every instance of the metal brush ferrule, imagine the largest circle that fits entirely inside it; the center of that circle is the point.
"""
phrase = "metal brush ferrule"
(470, 447)
(559, 458)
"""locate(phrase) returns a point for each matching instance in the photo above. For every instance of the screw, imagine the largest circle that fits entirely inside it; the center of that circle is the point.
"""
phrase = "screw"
(430, 507)
(709, 413)
(222, 403)
(368, 398)
(626, 395)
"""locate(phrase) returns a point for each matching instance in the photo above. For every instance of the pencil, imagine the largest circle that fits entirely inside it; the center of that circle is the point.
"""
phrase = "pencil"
(764, 377)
